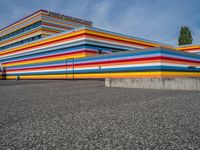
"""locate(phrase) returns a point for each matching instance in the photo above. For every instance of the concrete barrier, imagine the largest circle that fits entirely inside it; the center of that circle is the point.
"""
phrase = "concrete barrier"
(156, 83)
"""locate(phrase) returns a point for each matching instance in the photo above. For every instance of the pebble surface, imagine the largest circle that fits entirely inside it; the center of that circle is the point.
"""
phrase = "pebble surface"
(85, 115)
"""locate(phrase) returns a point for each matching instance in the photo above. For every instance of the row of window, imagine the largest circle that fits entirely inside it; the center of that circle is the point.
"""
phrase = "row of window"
(21, 42)
(32, 26)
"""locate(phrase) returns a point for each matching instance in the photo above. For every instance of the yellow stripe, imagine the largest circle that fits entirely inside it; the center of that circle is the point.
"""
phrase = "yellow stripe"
(63, 76)
(157, 74)
(94, 75)
(142, 74)
(180, 73)
(45, 41)
(188, 47)
(118, 74)
(44, 60)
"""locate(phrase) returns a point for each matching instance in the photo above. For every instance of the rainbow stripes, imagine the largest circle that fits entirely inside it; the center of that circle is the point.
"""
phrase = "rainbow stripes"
(89, 36)
(152, 63)
(189, 48)
(73, 55)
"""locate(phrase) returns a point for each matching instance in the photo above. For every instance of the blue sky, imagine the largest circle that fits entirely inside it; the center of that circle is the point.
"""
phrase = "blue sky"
(157, 20)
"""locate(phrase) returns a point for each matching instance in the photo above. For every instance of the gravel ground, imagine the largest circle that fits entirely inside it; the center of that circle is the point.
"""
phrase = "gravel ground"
(86, 115)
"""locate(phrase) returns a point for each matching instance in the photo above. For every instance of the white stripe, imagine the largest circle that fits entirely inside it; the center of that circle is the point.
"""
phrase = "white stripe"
(115, 43)
(107, 67)
(193, 51)
(36, 71)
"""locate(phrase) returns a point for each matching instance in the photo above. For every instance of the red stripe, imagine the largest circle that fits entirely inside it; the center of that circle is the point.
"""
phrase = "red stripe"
(118, 61)
(53, 55)
(137, 59)
(179, 59)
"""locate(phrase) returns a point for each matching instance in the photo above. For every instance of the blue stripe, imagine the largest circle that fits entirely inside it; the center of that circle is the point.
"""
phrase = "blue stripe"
(109, 70)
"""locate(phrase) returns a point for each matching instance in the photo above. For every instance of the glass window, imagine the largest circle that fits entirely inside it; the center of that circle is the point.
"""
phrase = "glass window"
(25, 29)
(22, 42)
(21, 30)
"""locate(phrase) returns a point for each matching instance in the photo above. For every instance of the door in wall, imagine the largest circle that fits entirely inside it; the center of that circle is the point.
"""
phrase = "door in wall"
(70, 68)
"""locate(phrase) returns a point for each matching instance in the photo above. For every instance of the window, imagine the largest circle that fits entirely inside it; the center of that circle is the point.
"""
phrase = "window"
(21, 42)
(32, 26)
(100, 51)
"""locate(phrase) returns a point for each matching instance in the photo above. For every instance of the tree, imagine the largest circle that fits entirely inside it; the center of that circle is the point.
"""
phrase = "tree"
(185, 36)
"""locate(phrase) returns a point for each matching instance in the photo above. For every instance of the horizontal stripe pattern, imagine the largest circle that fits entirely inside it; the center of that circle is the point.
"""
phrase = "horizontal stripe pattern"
(149, 63)
(50, 23)
(189, 48)
(73, 54)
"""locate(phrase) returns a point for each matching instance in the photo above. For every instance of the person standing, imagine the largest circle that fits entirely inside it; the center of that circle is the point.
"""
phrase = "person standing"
(2, 72)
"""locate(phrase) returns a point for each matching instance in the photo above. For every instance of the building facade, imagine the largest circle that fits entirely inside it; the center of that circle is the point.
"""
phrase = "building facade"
(75, 50)
(36, 26)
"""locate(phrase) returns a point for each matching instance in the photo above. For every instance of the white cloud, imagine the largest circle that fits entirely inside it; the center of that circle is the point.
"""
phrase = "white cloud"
(158, 21)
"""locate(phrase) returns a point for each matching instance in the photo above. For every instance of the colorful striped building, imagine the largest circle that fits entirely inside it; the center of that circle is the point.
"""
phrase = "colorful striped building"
(36, 26)
(77, 50)
(190, 48)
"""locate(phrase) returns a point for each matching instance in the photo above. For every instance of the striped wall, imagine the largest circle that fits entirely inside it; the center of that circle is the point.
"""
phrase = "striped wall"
(190, 48)
(37, 16)
(90, 35)
(82, 42)
(148, 63)
(151, 63)
(74, 54)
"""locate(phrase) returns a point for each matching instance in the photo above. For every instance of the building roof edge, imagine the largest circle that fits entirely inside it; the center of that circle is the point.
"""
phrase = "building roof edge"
(41, 10)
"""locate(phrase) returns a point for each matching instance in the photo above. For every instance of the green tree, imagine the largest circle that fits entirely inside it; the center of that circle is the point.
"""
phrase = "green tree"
(185, 36)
